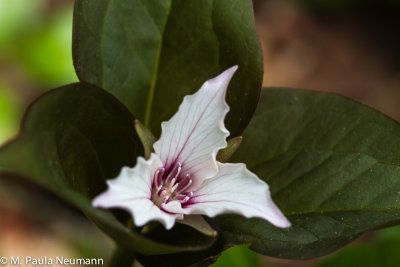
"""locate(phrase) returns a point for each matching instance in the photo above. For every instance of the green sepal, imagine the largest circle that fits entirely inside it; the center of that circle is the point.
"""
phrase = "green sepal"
(225, 154)
(199, 223)
(146, 137)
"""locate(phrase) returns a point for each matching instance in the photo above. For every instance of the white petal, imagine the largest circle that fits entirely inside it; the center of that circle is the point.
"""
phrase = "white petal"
(174, 207)
(196, 132)
(236, 190)
(131, 191)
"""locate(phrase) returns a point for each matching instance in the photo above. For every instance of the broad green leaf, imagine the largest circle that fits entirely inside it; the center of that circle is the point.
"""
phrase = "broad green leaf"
(150, 54)
(71, 140)
(193, 259)
(332, 165)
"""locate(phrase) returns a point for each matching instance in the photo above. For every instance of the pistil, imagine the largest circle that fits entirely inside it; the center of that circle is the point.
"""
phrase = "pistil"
(171, 186)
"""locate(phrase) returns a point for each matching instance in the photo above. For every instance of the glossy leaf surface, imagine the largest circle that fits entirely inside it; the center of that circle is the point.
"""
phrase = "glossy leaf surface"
(73, 139)
(333, 166)
(150, 54)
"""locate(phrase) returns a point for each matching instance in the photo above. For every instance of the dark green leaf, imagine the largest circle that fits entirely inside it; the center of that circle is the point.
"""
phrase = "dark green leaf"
(72, 139)
(122, 258)
(332, 165)
(150, 54)
(193, 259)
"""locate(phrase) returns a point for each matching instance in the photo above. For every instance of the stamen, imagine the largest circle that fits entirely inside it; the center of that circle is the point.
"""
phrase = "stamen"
(172, 187)
(174, 173)
(184, 179)
(163, 193)
(184, 185)
(175, 186)
(158, 177)
(156, 184)
(166, 199)
(179, 197)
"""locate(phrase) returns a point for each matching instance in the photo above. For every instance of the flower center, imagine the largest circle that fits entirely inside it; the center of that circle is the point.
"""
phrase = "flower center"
(171, 186)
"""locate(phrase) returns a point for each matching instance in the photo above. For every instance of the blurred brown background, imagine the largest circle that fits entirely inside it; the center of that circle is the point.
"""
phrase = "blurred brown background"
(347, 47)
(350, 48)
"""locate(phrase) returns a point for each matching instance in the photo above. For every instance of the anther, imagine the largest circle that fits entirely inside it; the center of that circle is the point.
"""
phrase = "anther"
(158, 177)
(174, 173)
(175, 187)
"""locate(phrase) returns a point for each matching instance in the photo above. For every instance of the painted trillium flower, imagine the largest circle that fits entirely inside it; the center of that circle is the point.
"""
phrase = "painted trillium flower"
(183, 176)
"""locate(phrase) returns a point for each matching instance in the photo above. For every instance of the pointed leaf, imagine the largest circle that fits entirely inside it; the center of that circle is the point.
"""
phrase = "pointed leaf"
(150, 54)
(72, 139)
(333, 166)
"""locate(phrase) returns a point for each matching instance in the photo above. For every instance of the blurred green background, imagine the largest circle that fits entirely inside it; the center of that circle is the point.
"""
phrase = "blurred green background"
(35, 54)
(347, 47)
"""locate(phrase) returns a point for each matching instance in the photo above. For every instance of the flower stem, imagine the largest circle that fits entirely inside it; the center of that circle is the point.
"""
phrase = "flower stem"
(122, 258)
